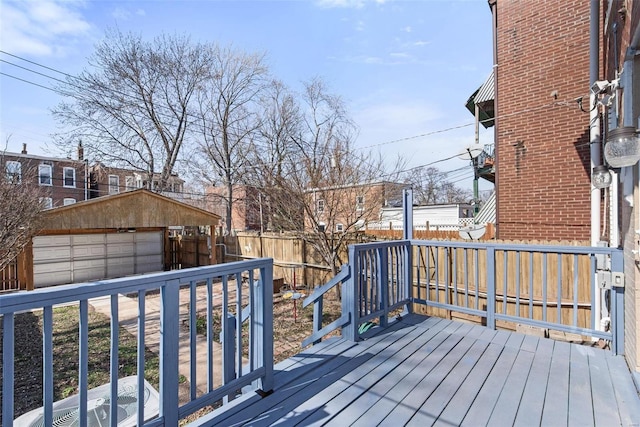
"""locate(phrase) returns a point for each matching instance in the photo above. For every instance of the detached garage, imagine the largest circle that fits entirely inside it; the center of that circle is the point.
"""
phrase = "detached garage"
(107, 237)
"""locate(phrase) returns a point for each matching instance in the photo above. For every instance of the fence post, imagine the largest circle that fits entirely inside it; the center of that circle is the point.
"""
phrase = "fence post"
(491, 287)
(407, 214)
(169, 341)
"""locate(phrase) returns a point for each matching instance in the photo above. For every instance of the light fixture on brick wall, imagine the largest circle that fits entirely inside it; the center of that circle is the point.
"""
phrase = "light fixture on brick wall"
(601, 177)
(622, 147)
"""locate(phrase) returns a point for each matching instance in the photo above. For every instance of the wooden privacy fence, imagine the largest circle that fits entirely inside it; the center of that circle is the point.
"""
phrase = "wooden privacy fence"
(293, 257)
(553, 287)
(427, 234)
(190, 251)
(9, 277)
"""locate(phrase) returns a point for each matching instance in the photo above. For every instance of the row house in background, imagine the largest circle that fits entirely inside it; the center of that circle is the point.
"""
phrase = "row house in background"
(105, 180)
(349, 207)
(62, 181)
(245, 207)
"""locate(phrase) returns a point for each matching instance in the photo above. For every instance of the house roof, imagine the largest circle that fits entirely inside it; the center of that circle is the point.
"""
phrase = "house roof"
(131, 209)
(483, 98)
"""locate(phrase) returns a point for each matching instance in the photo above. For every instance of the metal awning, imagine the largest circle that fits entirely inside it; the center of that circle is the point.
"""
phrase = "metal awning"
(483, 99)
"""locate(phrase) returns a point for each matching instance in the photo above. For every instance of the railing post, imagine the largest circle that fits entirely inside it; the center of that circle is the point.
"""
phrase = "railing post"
(408, 276)
(407, 214)
(317, 316)
(350, 297)
(617, 305)
(263, 327)
(491, 287)
(169, 342)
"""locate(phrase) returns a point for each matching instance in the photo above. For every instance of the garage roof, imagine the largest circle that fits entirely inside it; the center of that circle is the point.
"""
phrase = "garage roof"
(131, 209)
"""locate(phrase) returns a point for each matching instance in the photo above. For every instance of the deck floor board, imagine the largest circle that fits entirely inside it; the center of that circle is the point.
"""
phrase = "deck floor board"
(427, 371)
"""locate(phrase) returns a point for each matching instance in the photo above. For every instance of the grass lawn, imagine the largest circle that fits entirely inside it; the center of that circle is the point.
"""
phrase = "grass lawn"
(28, 356)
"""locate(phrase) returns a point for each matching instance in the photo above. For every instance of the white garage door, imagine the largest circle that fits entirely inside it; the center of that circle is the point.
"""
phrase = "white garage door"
(83, 257)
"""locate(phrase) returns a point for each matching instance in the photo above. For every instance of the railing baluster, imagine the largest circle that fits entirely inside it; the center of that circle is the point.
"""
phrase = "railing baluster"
(192, 340)
(466, 277)
(141, 355)
(575, 290)
(455, 276)
(239, 324)
(544, 287)
(491, 288)
(210, 337)
(505, 288)
(518, 284)
(476, 278)
(47, 364)
(530, 285)
(114, 360)
(83, 358)
(8, 337)
(559, 288)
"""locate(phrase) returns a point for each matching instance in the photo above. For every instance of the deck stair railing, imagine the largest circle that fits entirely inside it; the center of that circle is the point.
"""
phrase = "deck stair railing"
(569, 289)
(246, 336)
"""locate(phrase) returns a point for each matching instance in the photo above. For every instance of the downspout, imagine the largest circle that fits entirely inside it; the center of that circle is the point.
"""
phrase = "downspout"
(594, 139)
(494, 22)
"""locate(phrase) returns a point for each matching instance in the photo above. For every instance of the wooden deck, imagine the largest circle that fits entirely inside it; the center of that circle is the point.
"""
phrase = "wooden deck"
(428, 371)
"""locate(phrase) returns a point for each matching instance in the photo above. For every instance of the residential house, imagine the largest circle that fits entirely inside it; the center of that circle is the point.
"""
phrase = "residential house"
(448, 216)
(245, 207)
(566, 89)
(63, 180)
(338, 208)
(105, 180)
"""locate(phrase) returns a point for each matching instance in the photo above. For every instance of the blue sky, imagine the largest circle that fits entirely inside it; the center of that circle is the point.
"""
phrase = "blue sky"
(404, 68)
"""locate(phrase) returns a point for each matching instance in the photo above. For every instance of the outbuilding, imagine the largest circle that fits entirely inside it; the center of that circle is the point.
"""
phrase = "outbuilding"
(107, 237)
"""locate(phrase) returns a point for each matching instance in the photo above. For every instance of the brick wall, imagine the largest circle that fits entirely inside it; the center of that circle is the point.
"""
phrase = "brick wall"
(543, 171)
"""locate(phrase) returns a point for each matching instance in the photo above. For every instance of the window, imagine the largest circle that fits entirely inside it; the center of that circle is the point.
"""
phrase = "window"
(46, 202)
(69, 177)
(68, 201)
(339, 228)
(360, 203)
(14, 171)
(320, 205)
(130, 183)
(114, 184)
(44, 174)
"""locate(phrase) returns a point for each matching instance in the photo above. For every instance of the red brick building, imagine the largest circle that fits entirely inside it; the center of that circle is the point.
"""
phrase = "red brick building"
(543, 173)
(63, 181)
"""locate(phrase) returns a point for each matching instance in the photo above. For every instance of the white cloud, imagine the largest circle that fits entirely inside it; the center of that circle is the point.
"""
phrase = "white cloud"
(421, 43)
(407, 29)
(123, 14)
(360, 26)
(41, 27)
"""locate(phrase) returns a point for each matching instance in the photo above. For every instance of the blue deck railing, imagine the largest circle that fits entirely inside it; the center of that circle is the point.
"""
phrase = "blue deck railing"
(570, 289)
(246, 342)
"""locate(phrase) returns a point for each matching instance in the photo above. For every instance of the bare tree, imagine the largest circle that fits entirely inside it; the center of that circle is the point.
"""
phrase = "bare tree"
(132, 108)
(229, 119)
(430, 187)
(20, 209)
(269, 159)
(327, 189)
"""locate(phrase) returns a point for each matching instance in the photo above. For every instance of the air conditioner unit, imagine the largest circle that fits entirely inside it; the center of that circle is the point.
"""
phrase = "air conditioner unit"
(66, 412)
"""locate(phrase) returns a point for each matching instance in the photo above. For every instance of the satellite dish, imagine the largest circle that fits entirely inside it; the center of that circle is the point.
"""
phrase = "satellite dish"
(472, 232)
(471, 152)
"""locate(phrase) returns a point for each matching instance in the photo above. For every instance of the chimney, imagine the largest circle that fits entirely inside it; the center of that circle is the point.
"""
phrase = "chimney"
(80, 151)
(24, 148)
